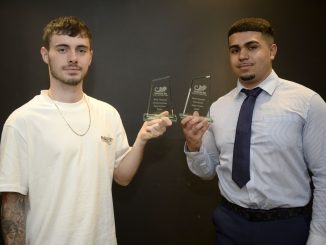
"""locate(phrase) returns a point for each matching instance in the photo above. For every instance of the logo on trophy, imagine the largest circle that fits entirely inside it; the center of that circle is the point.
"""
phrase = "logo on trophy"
(160, 99)
(198, 98)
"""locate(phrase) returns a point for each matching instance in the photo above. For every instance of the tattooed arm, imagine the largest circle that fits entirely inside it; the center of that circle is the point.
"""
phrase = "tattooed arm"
(13, 218)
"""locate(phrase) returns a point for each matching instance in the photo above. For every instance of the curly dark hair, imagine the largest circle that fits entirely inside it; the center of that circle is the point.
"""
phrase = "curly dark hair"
(65, 25)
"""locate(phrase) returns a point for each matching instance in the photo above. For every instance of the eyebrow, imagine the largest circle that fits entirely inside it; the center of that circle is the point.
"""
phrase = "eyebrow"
(246, 44)
(66, 45)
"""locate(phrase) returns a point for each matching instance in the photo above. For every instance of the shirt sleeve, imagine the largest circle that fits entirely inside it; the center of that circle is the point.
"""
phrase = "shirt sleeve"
(122, 144)
(203, 163)
(13, 162)
(314, 147)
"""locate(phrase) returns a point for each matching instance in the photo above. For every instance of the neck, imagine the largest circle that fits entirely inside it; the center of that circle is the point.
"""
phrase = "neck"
(66, 95)
(64, 118)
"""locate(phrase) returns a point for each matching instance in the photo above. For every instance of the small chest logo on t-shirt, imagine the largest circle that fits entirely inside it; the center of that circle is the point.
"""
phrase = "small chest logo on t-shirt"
(108, 140)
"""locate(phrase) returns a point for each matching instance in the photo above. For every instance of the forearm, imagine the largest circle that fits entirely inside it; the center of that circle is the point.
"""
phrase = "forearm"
(204, 161)
(127, 168)
(13, 218)
(201, 164)
(318, 223)
(129, 165)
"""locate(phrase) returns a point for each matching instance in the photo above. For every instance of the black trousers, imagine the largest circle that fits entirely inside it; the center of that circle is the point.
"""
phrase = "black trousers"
(233, 229)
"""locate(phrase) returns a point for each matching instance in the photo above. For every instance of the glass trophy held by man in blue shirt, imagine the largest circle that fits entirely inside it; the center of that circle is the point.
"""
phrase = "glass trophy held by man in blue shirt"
(198, 98)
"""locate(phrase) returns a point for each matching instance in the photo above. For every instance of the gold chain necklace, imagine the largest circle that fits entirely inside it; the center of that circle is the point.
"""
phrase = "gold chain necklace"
(89, 116)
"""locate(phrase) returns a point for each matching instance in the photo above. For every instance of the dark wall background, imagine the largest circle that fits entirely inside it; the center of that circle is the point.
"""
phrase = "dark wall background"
(136, 41)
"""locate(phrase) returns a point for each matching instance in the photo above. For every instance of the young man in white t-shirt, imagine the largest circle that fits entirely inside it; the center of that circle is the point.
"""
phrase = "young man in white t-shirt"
(61, 151)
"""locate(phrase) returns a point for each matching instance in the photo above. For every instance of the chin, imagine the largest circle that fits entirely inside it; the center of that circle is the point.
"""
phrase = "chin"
(247, 78)
(72, 82)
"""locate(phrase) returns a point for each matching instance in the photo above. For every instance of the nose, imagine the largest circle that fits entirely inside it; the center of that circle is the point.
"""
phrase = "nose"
(243, 54)
(72, 57)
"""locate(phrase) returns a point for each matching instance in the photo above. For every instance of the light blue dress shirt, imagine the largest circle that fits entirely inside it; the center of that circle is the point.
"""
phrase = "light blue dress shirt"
(288, 138)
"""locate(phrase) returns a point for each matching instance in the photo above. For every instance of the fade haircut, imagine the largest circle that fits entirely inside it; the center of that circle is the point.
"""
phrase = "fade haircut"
(65, 25)
(253, 24)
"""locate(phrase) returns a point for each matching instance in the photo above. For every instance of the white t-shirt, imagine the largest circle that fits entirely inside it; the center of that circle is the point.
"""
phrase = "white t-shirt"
(66, 178)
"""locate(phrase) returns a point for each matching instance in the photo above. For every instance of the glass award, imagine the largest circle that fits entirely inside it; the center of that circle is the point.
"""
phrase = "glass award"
(198, 98)
(160, 99)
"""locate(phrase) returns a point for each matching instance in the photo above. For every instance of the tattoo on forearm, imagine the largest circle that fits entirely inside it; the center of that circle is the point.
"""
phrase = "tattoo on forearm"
(13, 218)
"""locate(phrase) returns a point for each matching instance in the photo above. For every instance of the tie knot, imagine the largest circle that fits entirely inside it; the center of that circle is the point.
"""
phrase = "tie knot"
(252, 92)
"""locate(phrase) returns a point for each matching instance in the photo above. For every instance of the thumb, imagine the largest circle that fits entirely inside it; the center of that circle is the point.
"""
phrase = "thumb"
(196, 114)
(164, 114)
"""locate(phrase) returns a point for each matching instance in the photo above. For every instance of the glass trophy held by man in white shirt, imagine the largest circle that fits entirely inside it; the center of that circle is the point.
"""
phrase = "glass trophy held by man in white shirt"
(160, 100)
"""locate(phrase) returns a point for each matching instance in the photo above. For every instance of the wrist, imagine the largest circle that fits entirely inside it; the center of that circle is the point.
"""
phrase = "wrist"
(141, 140)
(192, 147)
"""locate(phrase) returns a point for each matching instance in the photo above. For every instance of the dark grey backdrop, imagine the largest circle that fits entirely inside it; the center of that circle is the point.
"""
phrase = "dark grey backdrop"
(136, 41)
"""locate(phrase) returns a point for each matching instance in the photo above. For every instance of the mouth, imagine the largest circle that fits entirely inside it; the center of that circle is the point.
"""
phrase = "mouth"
(72, 68)
(244, 65)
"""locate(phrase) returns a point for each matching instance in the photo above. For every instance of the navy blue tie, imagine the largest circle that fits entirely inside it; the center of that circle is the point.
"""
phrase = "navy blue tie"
(241, 151)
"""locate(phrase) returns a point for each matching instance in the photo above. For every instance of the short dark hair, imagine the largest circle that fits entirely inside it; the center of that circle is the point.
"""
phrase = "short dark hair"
(65, 25)
(253, 24)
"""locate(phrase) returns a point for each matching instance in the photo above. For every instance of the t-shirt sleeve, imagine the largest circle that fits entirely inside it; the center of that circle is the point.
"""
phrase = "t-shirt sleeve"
(122, 144)
(13, 161)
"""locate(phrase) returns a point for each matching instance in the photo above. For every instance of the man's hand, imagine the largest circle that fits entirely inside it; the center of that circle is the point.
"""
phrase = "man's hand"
(194, 128)
(154, 128)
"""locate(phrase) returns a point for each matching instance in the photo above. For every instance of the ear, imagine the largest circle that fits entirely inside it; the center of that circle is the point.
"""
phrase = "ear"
(90, 61)
(45, 55)
(273, 51)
